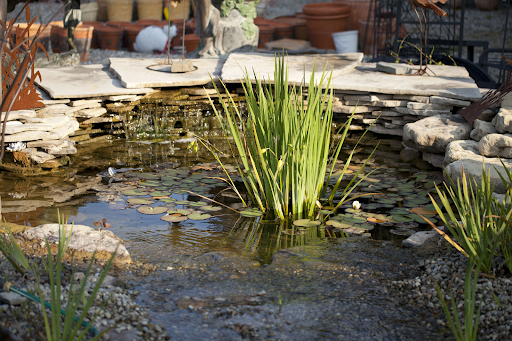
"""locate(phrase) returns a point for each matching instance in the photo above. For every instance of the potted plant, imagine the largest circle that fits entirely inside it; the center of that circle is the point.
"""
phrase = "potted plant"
(487, 5)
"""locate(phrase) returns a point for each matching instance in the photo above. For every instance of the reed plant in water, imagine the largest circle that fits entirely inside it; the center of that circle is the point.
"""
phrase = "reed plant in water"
(284, 143)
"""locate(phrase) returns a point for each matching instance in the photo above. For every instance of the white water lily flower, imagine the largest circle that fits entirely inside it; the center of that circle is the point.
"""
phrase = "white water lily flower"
(356, 205)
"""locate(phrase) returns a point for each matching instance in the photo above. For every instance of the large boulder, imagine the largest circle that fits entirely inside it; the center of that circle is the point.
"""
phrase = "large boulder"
(496, 145)
(503, 121)
(84, 241)
(473, 168)
(239, 33)
(433, 134)
(465, 149)
(480, 129)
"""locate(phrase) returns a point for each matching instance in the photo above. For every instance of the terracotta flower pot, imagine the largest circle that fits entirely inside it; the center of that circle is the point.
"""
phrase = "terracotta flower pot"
(83, 39)
(109, 38)
(94, 42)
(150, 9)
(54, 36)
(44, 38)
(191, 42)
(130, 34)
(120, 10)
(358, 11)
(300, 30)
(151, 22)
(283, 30)
(323, 19)
(487, 5)
(455, 3)
(266, 35)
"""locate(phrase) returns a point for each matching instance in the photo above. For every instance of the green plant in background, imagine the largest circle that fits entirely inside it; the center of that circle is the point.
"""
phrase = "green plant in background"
(479, 230)
(284, 144)
(468, 331)
(12, 251)
(73, 327)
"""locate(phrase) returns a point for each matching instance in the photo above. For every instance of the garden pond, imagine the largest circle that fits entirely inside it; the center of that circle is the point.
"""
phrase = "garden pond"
(226, 275)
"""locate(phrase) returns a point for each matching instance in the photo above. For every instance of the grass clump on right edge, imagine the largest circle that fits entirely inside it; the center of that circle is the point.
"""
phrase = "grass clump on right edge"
(284, 144)
(482, 228)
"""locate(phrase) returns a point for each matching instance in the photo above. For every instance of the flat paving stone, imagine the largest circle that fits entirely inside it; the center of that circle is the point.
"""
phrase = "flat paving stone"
(83, 81)
(262, 66)
(134, 73)
(450, 81)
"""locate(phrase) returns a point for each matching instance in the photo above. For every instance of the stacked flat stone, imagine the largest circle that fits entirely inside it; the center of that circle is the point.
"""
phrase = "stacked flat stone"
(393, 111)
(49, 133)
(102, 125)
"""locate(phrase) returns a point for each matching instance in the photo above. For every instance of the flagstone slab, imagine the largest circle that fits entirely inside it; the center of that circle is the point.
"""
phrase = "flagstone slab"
(134, 73)
(83, 81)
(300, 66)
(449, 81)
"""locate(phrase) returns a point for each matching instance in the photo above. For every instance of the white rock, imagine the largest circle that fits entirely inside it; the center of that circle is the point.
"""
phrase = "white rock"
(425, 106)
(84, 239)
(462, 149)
(88, 113)
(18, 128)
(473, 169)
(54, 122)
(54, 109)
(11, 298)
(85, 102)
(38, 157)
(27, 136)
(503, 121)
(412, 98)
(496, 145)
(62, 132)
(367, 98)
(482, 128)
(432, 134)
(419, 238)
(449, 101)
(18, 114)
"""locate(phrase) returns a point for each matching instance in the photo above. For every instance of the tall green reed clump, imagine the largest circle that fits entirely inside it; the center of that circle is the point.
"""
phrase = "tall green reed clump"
(284, 143)
(478, 221)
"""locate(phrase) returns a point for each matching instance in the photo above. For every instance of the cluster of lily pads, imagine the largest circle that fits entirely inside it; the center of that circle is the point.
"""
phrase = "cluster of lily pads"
(158, 193)
(398, 204)
(393, 203)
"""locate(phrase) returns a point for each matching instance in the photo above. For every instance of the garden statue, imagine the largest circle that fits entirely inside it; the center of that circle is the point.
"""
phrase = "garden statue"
(226, 30)
(72, 16)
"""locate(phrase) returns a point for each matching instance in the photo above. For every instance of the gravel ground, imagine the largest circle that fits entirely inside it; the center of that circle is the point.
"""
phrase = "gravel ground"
(129, 321)
(448, 270)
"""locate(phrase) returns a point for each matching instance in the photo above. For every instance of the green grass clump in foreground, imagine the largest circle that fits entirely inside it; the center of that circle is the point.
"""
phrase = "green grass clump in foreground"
(284, 144)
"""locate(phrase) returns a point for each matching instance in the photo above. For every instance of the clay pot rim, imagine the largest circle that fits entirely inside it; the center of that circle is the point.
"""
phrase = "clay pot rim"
(292, 20)
(328, 17)
(133, 28)
(282, 25)
(110, 29)
(267, 28)
(325, 9)
(92, 23)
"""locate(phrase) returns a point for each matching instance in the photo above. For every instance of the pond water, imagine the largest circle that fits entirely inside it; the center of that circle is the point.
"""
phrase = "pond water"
(84, 198)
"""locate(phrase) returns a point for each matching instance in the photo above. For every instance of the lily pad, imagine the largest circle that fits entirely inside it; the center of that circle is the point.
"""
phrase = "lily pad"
(182, 202)
(167, 200)
(179, 211)
(197, 203)
(209, 208)
(337, 224)
(135, 192)
(199, 216)
(306, 223)
(151, 183)
(148, 176)
(401, 218)
(140, 201)
(152, 210)
(250, 213)
(159, 193)
(174, 219)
